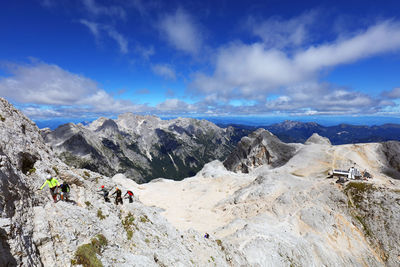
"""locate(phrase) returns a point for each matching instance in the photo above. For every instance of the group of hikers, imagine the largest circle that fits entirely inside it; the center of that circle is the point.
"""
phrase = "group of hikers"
(118, 195)
(54, 185)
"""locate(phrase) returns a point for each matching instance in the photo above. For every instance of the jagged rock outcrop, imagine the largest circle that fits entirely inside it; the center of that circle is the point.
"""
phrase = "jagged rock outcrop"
(143, 147)
(21, 150)
(390, 151)
(376, 208)
(317, 139)
(259, 148)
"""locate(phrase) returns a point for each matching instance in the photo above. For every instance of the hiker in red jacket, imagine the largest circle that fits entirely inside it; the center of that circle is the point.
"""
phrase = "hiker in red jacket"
(130, 196)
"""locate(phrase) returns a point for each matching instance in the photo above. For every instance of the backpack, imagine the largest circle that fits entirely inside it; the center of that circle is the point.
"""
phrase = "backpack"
(130, 193)
(65, 187)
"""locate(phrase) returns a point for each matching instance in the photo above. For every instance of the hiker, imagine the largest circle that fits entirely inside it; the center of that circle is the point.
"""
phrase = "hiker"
(130, 196)
(118, 197)
(207, 236)
(64, 191)
(105, 193)
(53, 185)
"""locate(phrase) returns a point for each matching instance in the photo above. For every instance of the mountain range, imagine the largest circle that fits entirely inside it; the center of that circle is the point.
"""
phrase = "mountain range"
(298, 132)
(143, 147)
(146, 147)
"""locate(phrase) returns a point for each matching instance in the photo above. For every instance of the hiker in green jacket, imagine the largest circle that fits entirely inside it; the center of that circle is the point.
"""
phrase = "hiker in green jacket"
(53, 185)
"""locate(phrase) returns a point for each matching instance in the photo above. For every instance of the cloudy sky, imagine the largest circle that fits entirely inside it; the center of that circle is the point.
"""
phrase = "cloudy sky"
(89, 58)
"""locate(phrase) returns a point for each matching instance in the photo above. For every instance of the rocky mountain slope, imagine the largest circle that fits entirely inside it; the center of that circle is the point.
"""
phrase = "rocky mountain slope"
(288, 214)
(292, 215)
(34, 231)
(143, 147)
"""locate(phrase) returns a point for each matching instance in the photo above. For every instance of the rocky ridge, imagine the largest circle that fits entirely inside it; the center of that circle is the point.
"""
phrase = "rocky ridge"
(259, 148)
(143, 147)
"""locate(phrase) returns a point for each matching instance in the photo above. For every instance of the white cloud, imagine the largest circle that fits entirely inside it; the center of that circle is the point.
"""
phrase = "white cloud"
(92, 26)
(164, 70)
(253, 71)
(96, 29)
(323, 99)
(46, 84)
(140, 5)
(181, 31)
(62, 92)
(145, 52)
(276, 32)
(119, 38)
(381, 38)
(98, 10)
(175, 105)
(392, 94)
(41, 113)
(48, 91)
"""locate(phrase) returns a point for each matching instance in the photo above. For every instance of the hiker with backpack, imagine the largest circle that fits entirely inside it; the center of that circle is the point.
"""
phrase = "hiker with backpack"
(104, 193)
(53, 186)
(64, 191)
(130, 196)
(118, 197)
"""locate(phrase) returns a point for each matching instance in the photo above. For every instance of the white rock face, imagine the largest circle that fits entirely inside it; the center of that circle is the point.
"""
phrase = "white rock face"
(317, 139)
(291, 215)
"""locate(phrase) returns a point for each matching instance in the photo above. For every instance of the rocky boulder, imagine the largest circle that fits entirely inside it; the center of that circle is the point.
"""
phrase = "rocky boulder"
(259, 148)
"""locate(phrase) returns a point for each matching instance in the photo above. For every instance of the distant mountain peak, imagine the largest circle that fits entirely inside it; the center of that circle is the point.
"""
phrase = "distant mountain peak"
(317, 139)
(289, 124)
(259, 148)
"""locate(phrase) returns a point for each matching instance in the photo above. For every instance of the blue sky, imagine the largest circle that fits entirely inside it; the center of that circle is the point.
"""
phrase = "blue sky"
(90, 58)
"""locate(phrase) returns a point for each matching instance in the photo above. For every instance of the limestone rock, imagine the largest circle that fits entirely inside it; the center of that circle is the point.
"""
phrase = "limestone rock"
(317, 139)
(259, 148)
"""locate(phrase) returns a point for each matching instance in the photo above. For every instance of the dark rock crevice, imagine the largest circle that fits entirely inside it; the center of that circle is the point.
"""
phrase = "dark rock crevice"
(6, 257)
(26, 161)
